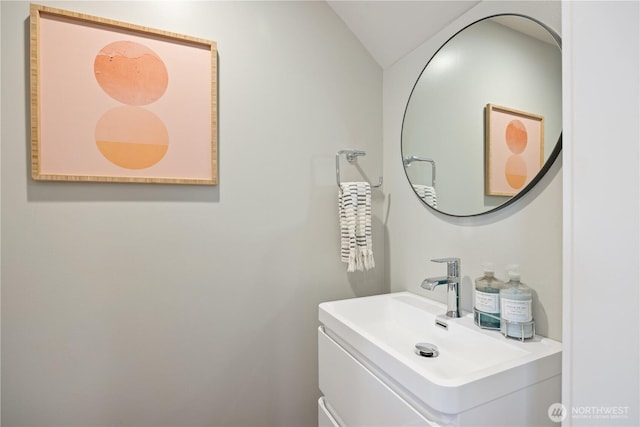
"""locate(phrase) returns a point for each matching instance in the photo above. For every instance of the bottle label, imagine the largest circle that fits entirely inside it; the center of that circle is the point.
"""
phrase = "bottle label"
(516, 310)
(488, 303)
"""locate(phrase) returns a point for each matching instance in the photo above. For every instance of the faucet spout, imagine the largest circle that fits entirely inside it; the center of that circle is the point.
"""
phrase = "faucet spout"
(430, 283)
(452, 280)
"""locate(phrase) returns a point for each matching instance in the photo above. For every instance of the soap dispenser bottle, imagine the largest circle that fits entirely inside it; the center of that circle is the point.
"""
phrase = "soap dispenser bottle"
(486, 309)
(516, 301)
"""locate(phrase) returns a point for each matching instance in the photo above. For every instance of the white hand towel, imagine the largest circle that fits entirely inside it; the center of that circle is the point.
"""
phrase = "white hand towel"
(426, 193)
(354, 208)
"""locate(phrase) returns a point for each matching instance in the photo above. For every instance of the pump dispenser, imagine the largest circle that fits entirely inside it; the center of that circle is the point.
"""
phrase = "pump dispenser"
(486, 313)
(516, 302)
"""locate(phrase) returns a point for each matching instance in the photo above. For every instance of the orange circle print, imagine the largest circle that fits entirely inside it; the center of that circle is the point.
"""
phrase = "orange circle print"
(515, 171)
(131, 73)
(516, 136)
(131, 137)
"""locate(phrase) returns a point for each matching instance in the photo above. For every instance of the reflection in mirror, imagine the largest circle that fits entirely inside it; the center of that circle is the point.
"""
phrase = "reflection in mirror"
(509, 61)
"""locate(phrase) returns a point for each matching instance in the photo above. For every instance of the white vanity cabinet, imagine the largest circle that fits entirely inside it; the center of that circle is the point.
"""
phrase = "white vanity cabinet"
(354, 395)
(370, 374)
(325, 417)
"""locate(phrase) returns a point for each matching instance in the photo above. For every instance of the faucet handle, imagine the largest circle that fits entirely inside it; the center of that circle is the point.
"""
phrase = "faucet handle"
(453, 266)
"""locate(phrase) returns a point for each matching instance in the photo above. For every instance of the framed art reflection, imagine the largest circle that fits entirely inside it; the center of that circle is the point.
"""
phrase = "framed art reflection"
(514, 149)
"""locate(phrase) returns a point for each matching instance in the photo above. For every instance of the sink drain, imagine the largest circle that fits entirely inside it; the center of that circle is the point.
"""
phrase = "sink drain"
(426, 349)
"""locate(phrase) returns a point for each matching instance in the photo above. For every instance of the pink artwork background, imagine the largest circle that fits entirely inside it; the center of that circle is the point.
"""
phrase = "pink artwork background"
(72, 102)
(500, 153)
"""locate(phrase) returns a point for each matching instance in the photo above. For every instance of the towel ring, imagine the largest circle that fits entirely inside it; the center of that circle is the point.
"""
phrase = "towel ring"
(351, 156)
(408, 160)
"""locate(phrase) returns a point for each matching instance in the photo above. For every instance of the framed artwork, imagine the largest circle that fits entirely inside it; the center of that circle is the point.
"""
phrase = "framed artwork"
(117, 102)
(514, 149)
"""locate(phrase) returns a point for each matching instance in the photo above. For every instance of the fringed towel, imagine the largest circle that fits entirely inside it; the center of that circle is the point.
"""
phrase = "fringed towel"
(426, 193)
(354, 207)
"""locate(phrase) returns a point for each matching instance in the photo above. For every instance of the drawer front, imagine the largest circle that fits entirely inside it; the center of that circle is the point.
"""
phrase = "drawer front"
(358, 397)
(325, 419)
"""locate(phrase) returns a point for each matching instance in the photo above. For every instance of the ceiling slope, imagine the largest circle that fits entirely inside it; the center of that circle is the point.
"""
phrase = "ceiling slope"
(391, 29)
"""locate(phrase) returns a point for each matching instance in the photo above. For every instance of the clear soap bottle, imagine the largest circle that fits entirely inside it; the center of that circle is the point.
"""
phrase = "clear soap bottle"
(486, 313)
(516, 301)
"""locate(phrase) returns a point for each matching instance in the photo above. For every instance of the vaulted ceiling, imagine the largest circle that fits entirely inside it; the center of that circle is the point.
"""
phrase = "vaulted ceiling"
(390, 29)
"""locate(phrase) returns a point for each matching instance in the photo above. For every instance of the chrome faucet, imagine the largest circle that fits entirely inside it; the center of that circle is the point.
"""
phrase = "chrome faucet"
(452, 280)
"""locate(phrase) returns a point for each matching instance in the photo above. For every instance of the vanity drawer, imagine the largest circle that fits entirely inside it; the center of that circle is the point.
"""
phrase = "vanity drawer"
(358, 396)
(325, 418)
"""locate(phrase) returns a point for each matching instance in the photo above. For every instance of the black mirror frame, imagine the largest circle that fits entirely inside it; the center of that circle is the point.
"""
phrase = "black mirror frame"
(547, 164)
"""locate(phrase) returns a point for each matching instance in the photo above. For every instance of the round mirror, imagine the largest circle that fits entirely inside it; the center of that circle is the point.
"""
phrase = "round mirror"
(484, 120)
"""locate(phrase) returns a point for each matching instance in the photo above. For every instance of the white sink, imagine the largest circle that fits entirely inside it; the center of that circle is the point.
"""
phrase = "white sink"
(474, 366)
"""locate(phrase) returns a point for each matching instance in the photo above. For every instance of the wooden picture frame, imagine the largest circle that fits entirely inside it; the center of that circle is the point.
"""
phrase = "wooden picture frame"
(118, 102)
(514, 149)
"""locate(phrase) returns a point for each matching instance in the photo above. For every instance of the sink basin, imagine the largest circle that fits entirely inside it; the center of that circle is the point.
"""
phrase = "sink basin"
(473, 366)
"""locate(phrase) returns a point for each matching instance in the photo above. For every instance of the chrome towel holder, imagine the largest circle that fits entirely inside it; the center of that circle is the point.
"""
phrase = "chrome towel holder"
(351, 156)
(408, 160)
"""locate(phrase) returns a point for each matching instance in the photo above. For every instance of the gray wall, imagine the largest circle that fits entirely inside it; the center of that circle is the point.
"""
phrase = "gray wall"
(148, 305)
